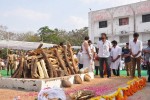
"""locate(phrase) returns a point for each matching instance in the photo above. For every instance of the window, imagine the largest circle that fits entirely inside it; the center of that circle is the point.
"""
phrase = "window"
(146, 18)
(102, 24)
(123, 21)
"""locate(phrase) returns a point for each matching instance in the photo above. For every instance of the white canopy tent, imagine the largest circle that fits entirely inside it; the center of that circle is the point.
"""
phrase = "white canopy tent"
(22, 45)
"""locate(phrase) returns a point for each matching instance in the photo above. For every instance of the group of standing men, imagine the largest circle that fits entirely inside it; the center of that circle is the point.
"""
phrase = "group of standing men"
(111, 52)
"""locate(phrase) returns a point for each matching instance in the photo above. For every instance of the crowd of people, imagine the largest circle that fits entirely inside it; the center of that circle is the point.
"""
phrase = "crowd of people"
(106, 56)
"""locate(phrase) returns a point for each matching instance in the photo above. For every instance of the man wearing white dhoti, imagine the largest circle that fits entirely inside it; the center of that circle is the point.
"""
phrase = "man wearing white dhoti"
(93, 51)
(115, 58)
(87, 55)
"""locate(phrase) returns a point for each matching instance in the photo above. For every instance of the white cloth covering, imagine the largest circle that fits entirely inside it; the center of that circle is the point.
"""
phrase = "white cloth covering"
(51, 93)
(114, 53)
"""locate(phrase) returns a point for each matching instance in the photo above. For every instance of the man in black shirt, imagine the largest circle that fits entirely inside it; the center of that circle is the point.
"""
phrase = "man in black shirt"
(127, 59)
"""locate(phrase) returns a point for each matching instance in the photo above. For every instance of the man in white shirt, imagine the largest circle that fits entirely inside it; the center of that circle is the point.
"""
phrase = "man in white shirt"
(115, 58)
(104, 47)
(135, 47)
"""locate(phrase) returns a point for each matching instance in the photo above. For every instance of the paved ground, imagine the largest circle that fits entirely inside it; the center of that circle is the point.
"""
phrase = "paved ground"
(144, 94)
(8, 94)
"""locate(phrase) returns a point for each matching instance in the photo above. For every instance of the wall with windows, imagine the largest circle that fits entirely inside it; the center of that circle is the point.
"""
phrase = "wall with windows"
(123, 22)
(99, 28)
(124, 27)
(143, 23)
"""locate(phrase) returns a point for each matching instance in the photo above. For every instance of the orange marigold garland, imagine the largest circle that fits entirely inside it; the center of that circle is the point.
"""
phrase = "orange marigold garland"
(123, 93)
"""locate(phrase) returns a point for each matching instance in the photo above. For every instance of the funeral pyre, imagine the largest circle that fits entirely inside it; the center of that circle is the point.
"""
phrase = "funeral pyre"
(41, 63)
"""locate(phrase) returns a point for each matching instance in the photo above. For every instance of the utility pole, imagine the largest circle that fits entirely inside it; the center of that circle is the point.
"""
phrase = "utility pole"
(90, 25)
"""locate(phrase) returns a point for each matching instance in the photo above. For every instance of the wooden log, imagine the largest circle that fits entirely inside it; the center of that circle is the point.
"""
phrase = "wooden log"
(40, 46)
(60, 73)
(25, 69)
(67, 61)
(51, 71)
(40, 70)
(68, 71)
(72, 58)
(28, 65)
(35, 52)
(39, 56)
(61, 62)
(34, 56)
(34, 68)
(16, 71)
(44, 68)
(53, 61)
(21, 68)
(56, 66)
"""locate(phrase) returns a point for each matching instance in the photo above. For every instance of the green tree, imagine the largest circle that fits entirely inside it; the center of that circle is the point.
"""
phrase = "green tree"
(3, 53)
(75, 37)
(44, 31)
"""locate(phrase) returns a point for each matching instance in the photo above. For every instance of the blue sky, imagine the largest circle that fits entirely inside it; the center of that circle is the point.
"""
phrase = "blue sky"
(30, 15)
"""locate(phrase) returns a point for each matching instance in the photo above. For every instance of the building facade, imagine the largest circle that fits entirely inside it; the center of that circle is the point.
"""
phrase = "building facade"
(119, 23)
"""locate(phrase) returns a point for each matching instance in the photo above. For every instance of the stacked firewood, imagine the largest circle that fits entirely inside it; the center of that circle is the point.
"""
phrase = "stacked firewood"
(41, 63)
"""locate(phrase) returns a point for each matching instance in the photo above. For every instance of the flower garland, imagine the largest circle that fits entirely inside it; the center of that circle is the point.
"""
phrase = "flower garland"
(123, 93)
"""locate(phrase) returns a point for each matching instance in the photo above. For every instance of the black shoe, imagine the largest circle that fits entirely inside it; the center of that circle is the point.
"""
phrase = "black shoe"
(101, 76)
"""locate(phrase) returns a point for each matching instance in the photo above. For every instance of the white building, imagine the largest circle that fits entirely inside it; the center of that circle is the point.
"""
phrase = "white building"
(119, 23)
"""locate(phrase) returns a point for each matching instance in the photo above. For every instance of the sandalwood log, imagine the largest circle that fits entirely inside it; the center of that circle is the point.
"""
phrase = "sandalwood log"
(39, 56)
(35, 52)
(16, 71)
(72, 58)
(34, 68)
(40, 70)
(34, 56)
(44, 68)
(25, 69)
(67, 61)
(53, 61)
(68, 71)
(60, 73)
(21, 68)
(56, 66)
(62, 65)
(40, 46)
(50, 68)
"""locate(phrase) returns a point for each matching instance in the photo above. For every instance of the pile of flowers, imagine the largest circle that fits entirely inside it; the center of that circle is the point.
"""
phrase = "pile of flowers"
(98, 89)
(123, 93)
